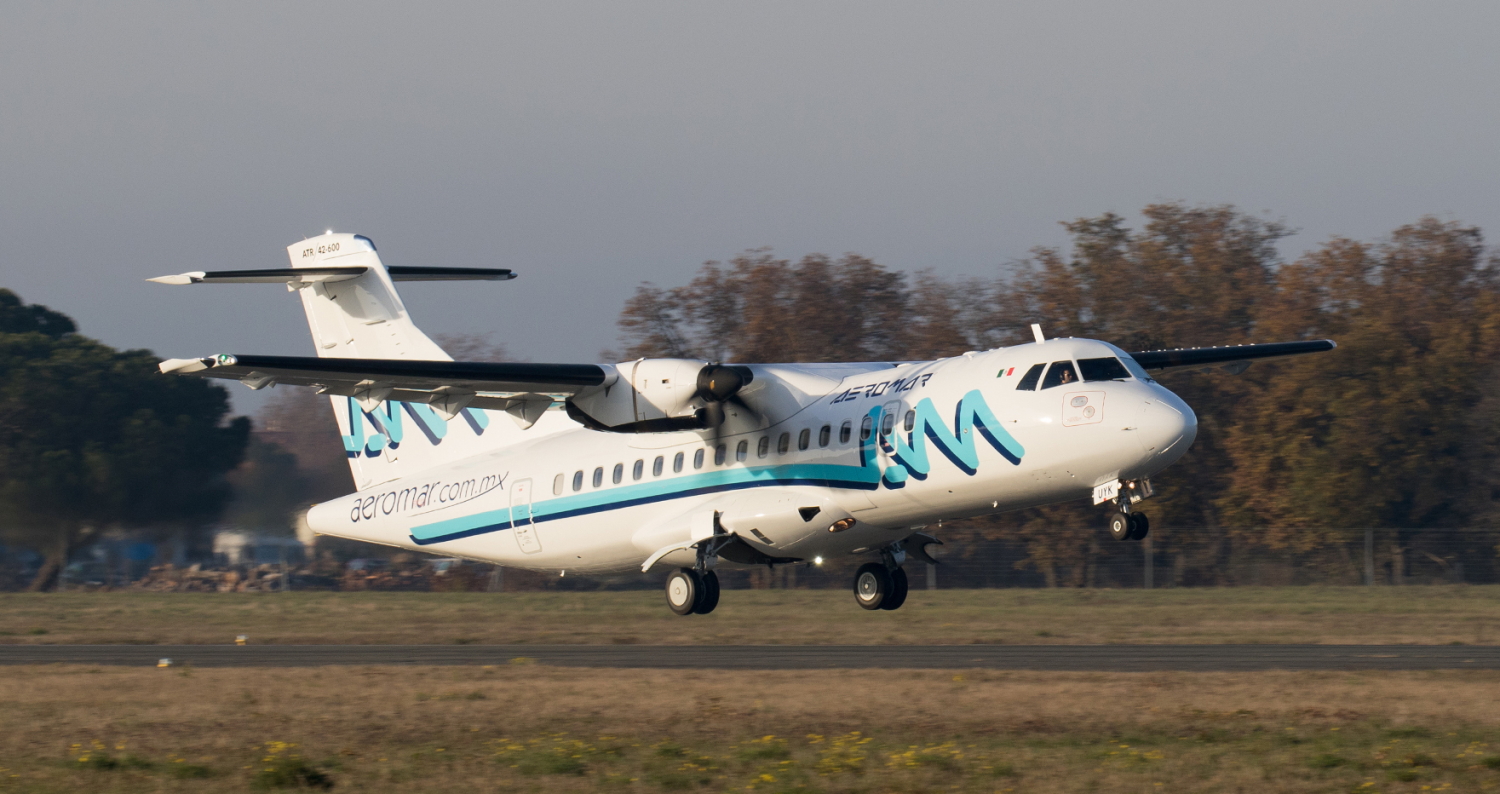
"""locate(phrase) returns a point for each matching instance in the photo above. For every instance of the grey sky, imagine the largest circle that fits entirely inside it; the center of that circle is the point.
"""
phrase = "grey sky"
(593, 146)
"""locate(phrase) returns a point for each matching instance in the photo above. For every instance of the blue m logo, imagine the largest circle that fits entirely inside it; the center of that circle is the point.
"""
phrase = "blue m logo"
(386, 427)
(908, 449)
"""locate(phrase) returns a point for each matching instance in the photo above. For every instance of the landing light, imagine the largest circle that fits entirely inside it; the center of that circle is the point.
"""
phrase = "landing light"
(817, 561)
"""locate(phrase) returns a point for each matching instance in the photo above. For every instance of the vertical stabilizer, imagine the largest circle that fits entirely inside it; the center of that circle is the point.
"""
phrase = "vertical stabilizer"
(361, 317)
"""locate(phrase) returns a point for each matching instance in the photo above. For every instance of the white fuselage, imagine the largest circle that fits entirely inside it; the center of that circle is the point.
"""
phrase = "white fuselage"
(961, 440)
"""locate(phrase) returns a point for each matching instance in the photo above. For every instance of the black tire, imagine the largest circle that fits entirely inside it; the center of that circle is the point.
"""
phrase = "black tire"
(708, 595)
(683, 588)
(1120, 526)
(898, 590)
(1140, 526)
(872, 585)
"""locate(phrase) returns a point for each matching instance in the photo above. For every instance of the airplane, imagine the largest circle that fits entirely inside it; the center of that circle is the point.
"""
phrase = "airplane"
(687, 465)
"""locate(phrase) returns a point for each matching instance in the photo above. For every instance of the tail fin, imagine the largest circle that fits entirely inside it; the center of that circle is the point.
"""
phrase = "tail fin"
(360, 317)
(363, 317)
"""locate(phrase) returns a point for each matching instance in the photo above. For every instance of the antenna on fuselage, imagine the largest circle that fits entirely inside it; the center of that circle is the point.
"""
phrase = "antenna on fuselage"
(1036, 331)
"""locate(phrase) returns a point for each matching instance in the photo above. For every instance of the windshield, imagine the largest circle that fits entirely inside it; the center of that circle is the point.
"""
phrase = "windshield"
(1136, 369)
(1102, 369)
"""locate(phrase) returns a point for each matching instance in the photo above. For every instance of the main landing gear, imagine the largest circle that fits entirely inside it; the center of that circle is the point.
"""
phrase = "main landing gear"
(876, 587)
(692, 593)
(882, 585)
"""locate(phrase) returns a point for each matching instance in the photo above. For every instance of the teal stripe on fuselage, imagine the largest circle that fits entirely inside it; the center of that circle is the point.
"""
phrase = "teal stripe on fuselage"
(823, 474)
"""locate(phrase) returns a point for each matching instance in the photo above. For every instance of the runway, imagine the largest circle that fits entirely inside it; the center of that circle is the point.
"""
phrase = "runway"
(1103, 658)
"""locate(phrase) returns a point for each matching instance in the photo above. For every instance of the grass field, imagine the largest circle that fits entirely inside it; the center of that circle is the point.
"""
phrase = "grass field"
(537, 729)
(1422, 615)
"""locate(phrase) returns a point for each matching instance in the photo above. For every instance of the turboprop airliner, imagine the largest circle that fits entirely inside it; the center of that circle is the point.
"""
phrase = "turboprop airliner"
(685, 465)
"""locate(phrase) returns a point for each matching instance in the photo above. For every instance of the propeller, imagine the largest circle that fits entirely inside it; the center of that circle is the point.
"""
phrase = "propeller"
(719, 384)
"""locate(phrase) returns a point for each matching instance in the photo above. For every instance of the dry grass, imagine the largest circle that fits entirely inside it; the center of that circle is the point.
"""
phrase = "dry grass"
(1422, 615)
(541, 729)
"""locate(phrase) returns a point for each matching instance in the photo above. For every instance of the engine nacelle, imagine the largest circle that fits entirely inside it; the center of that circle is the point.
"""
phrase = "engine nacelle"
(648, 390)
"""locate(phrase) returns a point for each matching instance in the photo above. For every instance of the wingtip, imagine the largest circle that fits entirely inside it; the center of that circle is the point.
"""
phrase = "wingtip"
(184, 365)
(179, 279)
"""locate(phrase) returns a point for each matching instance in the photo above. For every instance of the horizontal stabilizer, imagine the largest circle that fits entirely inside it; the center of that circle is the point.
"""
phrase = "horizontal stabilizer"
(1232, 357)
(313, 275)
(451, 384)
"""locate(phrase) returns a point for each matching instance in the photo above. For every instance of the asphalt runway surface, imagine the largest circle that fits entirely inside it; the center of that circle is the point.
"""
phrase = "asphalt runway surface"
(1102, 658)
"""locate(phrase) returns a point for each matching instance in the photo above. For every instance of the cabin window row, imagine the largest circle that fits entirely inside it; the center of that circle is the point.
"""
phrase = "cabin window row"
(721, 455)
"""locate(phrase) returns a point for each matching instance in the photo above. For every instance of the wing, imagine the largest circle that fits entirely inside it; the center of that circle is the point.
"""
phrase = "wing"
(1233, 358)
(448, 386)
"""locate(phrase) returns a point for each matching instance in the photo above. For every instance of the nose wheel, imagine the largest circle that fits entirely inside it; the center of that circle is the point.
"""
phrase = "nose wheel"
(1129, 526)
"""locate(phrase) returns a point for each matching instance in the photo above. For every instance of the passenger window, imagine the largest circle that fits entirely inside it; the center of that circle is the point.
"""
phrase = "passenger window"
(656, 465)
(677, 461)
(844, 432)
(1059, 374)
(763, 447)
(865, 426)
(1028, 381)
(887, 423)
(619, 473)
(910, 421)
(742, 451)
(557, 484)
(578, 480)
(824, 434)
(784, 443)
(598, 476)
(698, 459)
(720, 454)
(804, 439)
(638, 469)
(1102, 369)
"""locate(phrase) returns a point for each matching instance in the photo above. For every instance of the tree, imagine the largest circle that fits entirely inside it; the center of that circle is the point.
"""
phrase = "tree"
(92, 438)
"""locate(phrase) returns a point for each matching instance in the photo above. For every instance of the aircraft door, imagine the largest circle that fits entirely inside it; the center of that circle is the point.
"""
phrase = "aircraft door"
(520, 518)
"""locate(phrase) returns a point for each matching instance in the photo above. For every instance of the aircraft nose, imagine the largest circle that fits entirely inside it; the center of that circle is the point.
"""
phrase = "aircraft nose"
(1167, 428)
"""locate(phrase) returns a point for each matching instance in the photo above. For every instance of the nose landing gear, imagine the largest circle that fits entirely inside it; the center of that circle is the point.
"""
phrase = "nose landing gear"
(1123, 524)
(1129, 526)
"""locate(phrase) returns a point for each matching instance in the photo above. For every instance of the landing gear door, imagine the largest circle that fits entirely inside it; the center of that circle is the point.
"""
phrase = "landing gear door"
(520, 518)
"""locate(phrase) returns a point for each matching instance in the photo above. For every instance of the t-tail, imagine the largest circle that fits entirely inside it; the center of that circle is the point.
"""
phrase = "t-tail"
(354, 312)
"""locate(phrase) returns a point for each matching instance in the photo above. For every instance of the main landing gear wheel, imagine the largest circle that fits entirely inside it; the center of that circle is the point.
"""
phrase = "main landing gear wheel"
(1120, 526)
(708, 595)
(872, 585)
(898, 590)
(1139, 526)
(684, 589)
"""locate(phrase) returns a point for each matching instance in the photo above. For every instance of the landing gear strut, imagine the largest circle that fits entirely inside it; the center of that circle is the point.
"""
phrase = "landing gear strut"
(690, 592)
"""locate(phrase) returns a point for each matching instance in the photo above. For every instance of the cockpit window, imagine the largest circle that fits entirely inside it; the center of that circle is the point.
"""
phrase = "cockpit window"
(1028, 381)
(1059, 374)
(362, 243)
(1136, 369)
(1102, 369)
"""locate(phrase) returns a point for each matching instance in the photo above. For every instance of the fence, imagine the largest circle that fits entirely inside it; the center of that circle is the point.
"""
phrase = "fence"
(974, 555)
